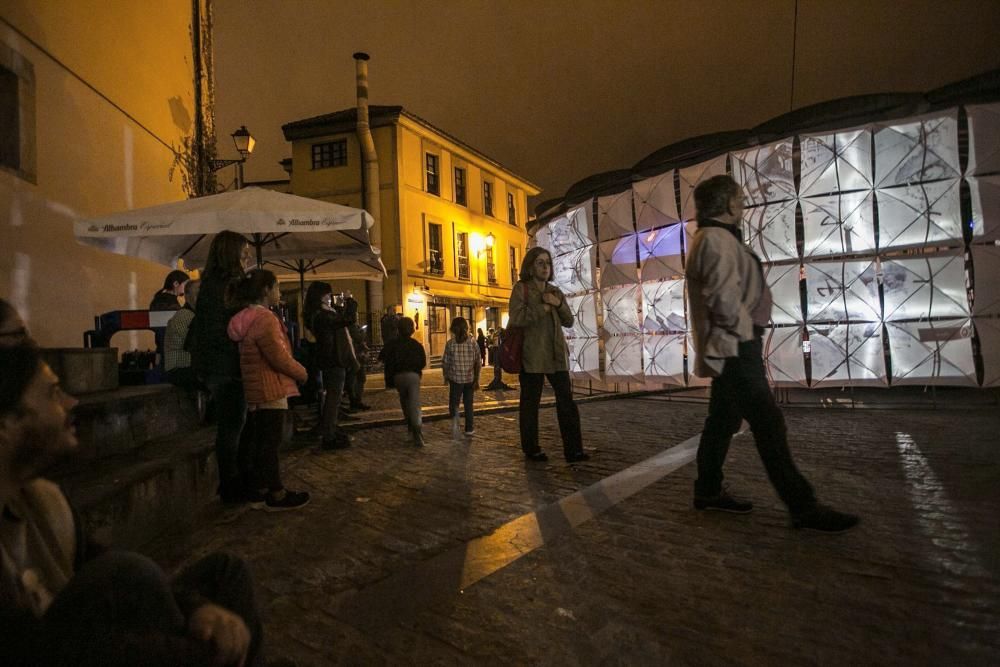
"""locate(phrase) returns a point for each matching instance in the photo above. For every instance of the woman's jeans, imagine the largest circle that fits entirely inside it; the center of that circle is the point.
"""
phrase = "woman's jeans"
(566, 411)
(231, 413)
(333, 383)
(463, 391)
(408, 386)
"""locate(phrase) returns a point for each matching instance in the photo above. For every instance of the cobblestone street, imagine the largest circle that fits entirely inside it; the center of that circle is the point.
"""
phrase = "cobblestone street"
(461, 552)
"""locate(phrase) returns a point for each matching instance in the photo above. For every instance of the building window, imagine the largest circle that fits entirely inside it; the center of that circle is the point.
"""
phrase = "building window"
(487, 198)
(435, 256)
(511, 211)
(460, 196)
(433, 181)
(17, 114)
(330, 154)
(513, 265)
(462, 255)
(491, 268)
(10, 134)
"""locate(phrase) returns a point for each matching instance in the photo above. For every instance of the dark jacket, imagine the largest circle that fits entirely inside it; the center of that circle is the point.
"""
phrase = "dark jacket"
(165, 301)
(332, 341)
(403, 355)
(213, 354)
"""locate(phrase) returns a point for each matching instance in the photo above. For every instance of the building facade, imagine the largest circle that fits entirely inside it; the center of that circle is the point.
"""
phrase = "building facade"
(453, 221)
(98, 105)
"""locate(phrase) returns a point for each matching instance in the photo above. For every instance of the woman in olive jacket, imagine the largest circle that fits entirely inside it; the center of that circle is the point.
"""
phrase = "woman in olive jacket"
(541, 310)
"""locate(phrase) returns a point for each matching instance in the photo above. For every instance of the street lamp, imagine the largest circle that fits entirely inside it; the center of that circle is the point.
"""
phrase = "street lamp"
(244, 142)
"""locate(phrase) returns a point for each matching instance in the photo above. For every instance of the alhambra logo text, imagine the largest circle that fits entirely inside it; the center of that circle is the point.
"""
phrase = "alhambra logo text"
(115, 228)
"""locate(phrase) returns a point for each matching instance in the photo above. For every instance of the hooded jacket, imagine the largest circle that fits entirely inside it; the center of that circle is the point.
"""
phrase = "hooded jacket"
(269, 371)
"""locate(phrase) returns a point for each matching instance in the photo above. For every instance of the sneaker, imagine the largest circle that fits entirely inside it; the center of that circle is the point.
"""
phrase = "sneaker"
(824, 519)
(291, 500)
(723, 502)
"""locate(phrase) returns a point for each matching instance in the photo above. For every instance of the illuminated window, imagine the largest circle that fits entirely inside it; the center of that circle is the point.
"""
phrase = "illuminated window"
(460, 195)
(511, 212)
(433, 180)
(487, 198)
(491, 268)
(462, 255)
(513, 265)
(435, 256)
(329, 154)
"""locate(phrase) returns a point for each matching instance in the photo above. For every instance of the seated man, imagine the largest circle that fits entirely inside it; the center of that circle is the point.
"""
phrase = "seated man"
(58, 604)
(176, 359)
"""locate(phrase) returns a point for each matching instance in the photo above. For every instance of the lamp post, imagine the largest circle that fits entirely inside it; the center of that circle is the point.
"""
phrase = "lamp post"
(244, 142)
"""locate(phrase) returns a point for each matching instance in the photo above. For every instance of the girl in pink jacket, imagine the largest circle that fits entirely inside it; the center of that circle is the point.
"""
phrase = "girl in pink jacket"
(269, 377)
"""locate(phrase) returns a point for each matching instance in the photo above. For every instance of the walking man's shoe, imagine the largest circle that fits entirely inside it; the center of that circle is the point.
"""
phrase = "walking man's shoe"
(723, 502)
(824, 519)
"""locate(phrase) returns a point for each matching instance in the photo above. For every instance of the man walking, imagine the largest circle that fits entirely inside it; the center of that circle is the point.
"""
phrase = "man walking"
(730, 305)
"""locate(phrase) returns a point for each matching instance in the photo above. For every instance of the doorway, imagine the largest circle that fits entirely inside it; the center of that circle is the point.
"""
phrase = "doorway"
(437, 328)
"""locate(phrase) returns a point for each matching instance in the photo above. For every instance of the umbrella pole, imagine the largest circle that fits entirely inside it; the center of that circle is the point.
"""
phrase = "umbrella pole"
(258, 245)
(302, 295)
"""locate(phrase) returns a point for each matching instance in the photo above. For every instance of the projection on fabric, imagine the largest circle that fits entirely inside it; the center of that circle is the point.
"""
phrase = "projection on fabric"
(584, 358)
(989, 346)
(922, 288)
(621, 310)
(986, 266)
(655, 204)
(765, 173)
(618, 261)
(574, 272)
(847, 355)
(663, 358)
(770, 231)
(663, 306)
(571, 232)
(614, 216)
(835, 162)
(842, 292)
(623, 355)
(660, 253)
(919, 214)
(690, 177)
(935, 352)
(985, 194)
(917, 150)
(584, 309)
(783, 356)
(838, 224)
(783, 279)
(984, 138)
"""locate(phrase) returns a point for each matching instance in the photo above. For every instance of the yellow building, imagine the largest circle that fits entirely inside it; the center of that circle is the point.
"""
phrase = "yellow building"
(96, 101)
(453, 220)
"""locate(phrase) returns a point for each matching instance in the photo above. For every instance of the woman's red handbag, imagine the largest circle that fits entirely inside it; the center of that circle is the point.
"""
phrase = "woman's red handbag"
(512, 346)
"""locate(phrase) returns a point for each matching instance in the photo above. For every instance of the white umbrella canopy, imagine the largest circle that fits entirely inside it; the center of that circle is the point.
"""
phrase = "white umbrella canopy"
(284, 230)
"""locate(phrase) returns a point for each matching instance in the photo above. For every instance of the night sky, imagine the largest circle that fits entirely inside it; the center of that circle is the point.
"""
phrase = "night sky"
(557, 91)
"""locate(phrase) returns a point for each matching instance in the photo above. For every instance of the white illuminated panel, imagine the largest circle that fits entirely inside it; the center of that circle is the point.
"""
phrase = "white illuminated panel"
(584, 358)
(842, 292)
(692, 379)
(934, 352)
(655, 204)
(986, 269)
(663, 306)
(783, 279)
(584, 309)
(835, 162)
(690, 177)
(783, 356)
(543, 238)
(573, 231)
(660, 253)
(926, 287)
(765, 172)
(618, 261)
(614, 216)
(770, 231)
(985, 195)
(838, 224)
(919, 214)
(663, 357)
(847, 355)
(917, 150)
(623, 358)
(621, 309)
(984, 138)
(574, 272)
(989, 347)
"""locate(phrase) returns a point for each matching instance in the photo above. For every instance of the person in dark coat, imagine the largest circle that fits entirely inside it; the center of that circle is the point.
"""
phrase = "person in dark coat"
(334, 355)
(216, 359)
(405, 360)
(481, 342)
(173, 287)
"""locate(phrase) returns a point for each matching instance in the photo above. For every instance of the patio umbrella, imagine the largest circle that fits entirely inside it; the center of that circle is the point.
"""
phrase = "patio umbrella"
(292, 233)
